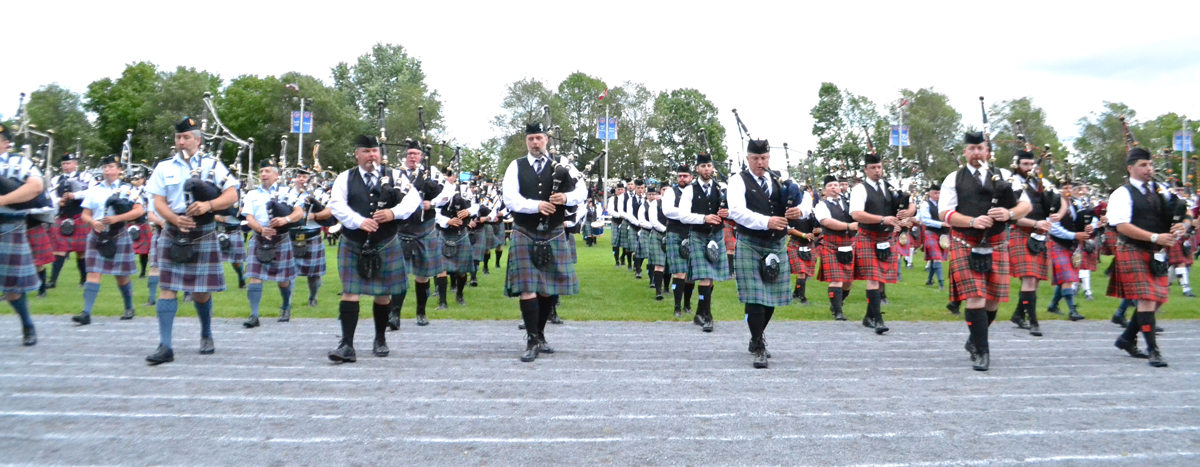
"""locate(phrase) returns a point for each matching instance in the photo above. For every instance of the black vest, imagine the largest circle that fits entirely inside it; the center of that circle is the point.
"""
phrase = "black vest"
(674, 225)
(705, 206)
(934, 214)
(1038, 200)
(662, 218)
(803, 225)
(635, 209)
(537, 187)
(837, 213)
(365, 203)
(451, 210)
(758, 201)
(1155, 218)
(975, 199)
(878, 205)
(419, 221)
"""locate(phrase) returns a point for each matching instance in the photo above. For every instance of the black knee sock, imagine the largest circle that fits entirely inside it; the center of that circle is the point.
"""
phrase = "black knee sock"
(380, 313)
(873, 298)
(656, 278)
(529, 314)
(677, 288)
(616, 255)
(835, 298)
(475, 271)
(82, 265)
(1146, 322)
(42, 278)
(730, 263)
(422, 297)
(462, 283)
(314, 286)
(1027, 303)
(1022, 306)
(440, 282)
(241, 273)
(57, 268)
(756, 320)
(637, 265)
(991, 317)
(499, 253)
(144, 260)
(883, 291)
(704, 302)
(977, 324)
(545, 304)
(487, 258)
(348, 315)
(769, 312)
(1131, 330)
(688, 287)
(398, 301)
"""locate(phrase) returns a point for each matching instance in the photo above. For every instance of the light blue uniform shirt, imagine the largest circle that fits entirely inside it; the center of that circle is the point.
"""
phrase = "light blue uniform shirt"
(169, 176)
(96, 196)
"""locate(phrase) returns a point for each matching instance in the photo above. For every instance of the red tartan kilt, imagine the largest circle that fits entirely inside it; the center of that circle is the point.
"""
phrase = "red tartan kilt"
(1177, 257)
(933, 251)
(730, 236)
(1060, 261)
(77, 242)
(142, 245)
(965, 283)
(1131, 276)
(867, 267)
(906, 249)
(40, 245)
(1090, 260)
(831, 269)
(1021, 261)
(1109, 245)
(800, 266)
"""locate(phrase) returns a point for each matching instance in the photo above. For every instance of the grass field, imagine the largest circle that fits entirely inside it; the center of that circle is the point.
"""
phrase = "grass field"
(606, 293)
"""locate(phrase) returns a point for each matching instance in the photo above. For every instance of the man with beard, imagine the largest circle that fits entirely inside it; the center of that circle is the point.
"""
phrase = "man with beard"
(872, 205)
(677, 233)
(1027, 250)
(702, 209)
(422, 245)
(68, 233)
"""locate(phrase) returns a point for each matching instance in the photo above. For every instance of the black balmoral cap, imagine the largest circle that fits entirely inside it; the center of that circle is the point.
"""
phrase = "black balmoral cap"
(872, 158)
(534, 128)
(829, 179)
(365, 142)
(186, 124)
(1023, 154)
(683, 168)
(758, 146)
(703, 158)
(973, 137)
(109, 159)
(412, 144)
(268, 162)
(1137, 154)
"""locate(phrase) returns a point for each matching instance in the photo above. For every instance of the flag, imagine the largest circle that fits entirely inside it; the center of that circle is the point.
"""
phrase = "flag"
(293, 87)
(605, 94)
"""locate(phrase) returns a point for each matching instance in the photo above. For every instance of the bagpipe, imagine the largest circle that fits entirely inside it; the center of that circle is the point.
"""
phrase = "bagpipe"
(121, 202)
(1003, 195)
(40, 207)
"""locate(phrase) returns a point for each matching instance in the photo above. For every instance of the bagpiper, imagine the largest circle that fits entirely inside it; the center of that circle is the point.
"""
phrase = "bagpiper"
(802, 239)
(271, 212)
(936, 233)
(307, 246)
(1027, 249)
(676, 239)
(1067, 236)
(879, 211)
(108, 208)
(838, 230)
(421, 242)
(68, 232)
(703, 209)
(23, 192)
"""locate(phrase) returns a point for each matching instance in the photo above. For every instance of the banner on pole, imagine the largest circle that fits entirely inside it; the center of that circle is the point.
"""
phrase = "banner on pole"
(606, 129)
(899, 136)
(1183, 141)
(301, 125)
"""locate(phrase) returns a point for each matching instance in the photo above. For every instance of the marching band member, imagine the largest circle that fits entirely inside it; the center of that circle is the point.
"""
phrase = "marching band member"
(873, 205)
(422, 246)
(838, 230)
(1067, 235)
(701, 208)
(270, 212)
(68, 232)
(18, 275)
(107, 208)
(677, 233)
(654, 226)
(307, 246)
(934, 229)
(1027, 249)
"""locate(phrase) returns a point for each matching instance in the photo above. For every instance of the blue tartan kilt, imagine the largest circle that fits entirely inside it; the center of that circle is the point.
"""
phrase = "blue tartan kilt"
(477, 244)
(237, 247)
(675, 262)
(281, 269)
(750, 284)
(392, 280)
(571, 244)
(652, 241)
(558, 278)
(120, 264)
(154, 247)
(698, 266)
(312, 264)
(497, 235)
(461, 262)
(1064, 271)
(204, 274)
(18, 275)
(429, 252)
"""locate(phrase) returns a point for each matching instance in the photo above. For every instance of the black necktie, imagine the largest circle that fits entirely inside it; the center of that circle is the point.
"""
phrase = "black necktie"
(370, 180)
(762, 183)
(705, 186)
(537, 166)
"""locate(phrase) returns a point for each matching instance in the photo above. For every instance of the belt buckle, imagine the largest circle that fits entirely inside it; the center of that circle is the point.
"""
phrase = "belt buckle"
(301, 237)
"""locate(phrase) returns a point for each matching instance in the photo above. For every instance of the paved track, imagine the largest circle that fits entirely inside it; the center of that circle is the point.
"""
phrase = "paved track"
(621, 393)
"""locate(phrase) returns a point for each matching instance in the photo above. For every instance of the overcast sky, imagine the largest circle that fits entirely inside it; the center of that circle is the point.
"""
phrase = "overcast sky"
(766, 59)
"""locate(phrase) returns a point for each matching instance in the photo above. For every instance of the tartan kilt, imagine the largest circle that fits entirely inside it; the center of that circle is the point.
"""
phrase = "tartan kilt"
(831, 269)
(571, 244)
(798, 265)
(1060, 262)
(966, 283)
(674, 258)
(205, 274)
(121, 264)
(154, 251)
(282, 269)
(730, 237)
(17, 272)
(750, 284)
(1022, 262)
(933, 251)
(497, 235)
(40, 245)
(652, 243)
(1176, 256)
(477, 246)
(903, 250)
(461, 263)
(1131, 276)
(1108, 246)
(77, 242)
(698, 266)
(429, 247)
(312, 264)
(522, 276)
(620, 235)
(1090, 260)
(392, 280)
(141, 246)
(237, 246)
(867, 267)
(639, 243)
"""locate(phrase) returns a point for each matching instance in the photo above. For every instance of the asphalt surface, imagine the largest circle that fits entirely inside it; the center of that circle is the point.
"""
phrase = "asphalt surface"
(619, 393)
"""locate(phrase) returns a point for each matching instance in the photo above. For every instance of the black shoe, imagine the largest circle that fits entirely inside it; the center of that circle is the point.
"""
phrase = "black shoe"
(638, 275)
(1054, 310)
(379, 348)
(1019, 321)
(394, 320)
(474, 283)
(868, 322)
(554, 319)
(41, 294)
(531, 349)
(343, 354)
(1119, 320)
(981, 362)
(459, 298)
(880, 328)
(1131, 348)
(658, 297)
(708, 324)
(1090, 297)
(163, 354)
(543, 346)
(206, 346)
(1035, 330)
(241, 284)
(142, 275)
(29, 336)
(442, 306)
(150, 303)
(928, 283)
(804, 301)
(760, 359)
(753, 348)
(51, 284)
(1158, 329)
(839, 316)
(83, 319)
(486, 271)
(1188, 293)
(1156, 359)
(970, 348)
(422, 320)
(687, 310)
(678, 313)
(521, 326)
(1075, 316)
(251, 323)
(953, 309)
(129, 313)
(697, 320)
(285, 315)
(312, 303)
(883, 301)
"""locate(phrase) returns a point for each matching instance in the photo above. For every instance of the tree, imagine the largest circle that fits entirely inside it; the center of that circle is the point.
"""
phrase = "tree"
(123, 104)
(679, 115)
(1101, 145)
(522, 104)
(389, 74)
(53, 107)
(1003, 118)
(842, 121)
(935, 134)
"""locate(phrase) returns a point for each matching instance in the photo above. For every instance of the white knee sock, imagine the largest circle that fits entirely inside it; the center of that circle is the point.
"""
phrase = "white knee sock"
(1085, 279)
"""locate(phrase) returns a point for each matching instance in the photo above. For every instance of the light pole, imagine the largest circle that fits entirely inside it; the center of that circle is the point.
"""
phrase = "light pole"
(300, 145)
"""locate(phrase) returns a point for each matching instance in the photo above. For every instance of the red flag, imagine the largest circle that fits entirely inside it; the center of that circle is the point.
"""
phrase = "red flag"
(602, 96)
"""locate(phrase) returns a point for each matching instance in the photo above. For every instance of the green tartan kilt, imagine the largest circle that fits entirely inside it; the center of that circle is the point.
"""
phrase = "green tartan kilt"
(675, 261)
(623, 236)
(652, 241)
(477, 243)
(460, 262)
(639, 242)
(521, 275)
(698, 266)
(746, 271)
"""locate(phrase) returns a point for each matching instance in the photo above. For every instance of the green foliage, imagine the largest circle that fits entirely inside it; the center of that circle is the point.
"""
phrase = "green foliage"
(1101, 144)
(841, 123)
(678, 117)
(53, 107)
(935, 132)
(1003, 118)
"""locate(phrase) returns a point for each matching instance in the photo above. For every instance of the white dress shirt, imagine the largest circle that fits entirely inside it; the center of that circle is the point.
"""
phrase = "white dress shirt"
(949, 199)
(522, 205)
(1120, 204)
(352, 220)
(858, 194)
(696, 188)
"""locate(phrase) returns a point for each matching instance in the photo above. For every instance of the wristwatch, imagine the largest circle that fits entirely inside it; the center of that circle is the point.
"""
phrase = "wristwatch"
(1154, 238)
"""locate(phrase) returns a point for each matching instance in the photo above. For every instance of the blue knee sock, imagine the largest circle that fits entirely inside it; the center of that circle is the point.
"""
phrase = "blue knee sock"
(254, 293)
(127, 294)
(1068, 294)
(90, 291)
(152, 284)
(237, 267)
(166, 309)
(21, 306)
(1125, 303)
(1058, 294)
(314, 286)
(204, 312)
(937, 266)
(285, 291)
